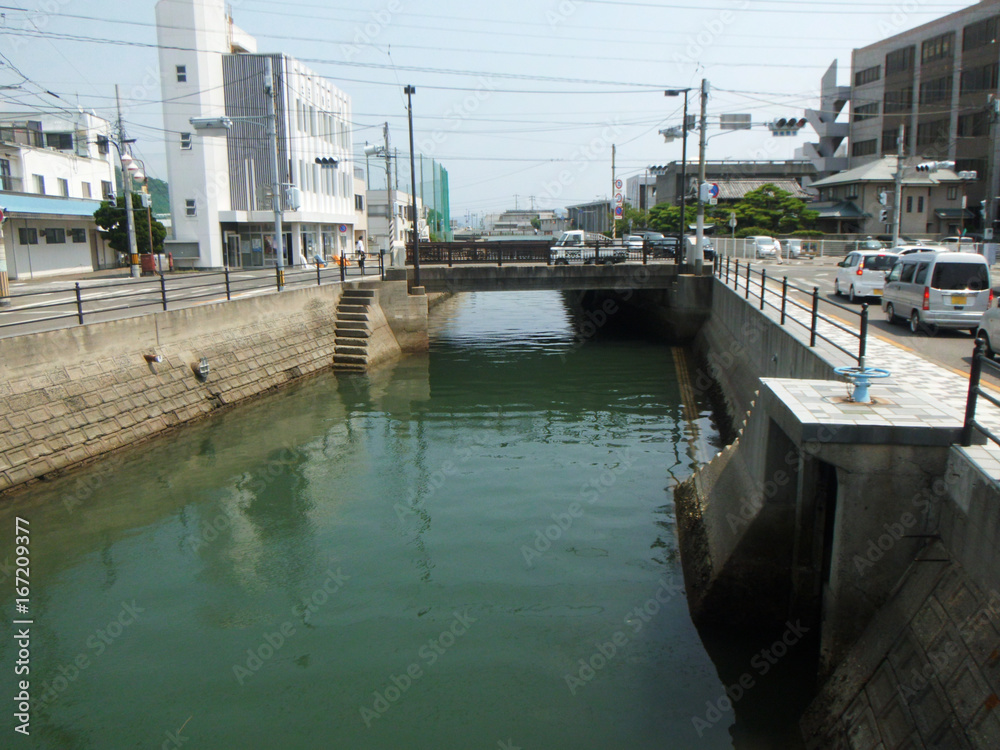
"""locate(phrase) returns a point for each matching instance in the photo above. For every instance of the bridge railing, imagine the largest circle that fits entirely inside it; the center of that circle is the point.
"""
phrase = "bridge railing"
(797, 304)
(980, 359)
(55, 307)
(527, 251)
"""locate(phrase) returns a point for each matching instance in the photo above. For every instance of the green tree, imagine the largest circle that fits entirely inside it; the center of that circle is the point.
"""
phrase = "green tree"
(667, 218)
(774, 209)
(637, 217)
(112, 219)
(536, 222)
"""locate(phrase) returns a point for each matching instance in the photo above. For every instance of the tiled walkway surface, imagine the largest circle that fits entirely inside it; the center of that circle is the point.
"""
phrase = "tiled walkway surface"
(908, 369)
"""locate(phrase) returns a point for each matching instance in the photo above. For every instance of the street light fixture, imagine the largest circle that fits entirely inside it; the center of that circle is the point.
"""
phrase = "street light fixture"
(684, 144)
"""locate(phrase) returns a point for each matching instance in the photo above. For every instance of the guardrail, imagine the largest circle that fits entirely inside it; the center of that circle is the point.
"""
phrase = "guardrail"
(979, 359)
(728, 271)
(818, 248)
(161, 292)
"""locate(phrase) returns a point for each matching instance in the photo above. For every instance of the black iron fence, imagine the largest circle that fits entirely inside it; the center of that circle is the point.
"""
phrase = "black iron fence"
(796, 304)
(61, 306)
(980, 358)
(534, 251)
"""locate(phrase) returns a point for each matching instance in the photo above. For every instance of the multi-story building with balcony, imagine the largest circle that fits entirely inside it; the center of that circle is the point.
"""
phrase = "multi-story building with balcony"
(53, 174)
(221, 185)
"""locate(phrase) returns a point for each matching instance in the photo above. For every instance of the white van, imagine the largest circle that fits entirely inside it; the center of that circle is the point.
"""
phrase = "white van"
(938, 289)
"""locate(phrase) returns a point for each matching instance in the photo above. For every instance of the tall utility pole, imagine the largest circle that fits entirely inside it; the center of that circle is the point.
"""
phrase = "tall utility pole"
(989, 206)
(614, 204)
(410, 91)
(898, 184)
(698, 255)
(4, 284)
(133, 248)
(276, 197)
(390, 195)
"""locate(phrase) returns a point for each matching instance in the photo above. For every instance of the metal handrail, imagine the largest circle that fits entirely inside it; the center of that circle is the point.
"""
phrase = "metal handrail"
(740, 280)
(979, 358)
(158, 291)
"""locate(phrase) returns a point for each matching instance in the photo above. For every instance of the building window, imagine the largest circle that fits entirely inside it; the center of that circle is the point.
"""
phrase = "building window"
(889, 138)
(980, 34)
(106, 190)
(973, 125)
(78, 235)
(63, 187)
(27, 235)
(983, 78)
(59, 141)
(920, 204)
(103, 145)
(186, 141)
(935, 90)
(359, 203)
(55, 236)
(899, 61)
(898, 100)
(85, 190)
(39, 183)
(6, 181)
(868, 75)
(865, 112)
(864, 148)
(190, 207)
(937, 48)
(932, 133)
(952, 193)
(909, 204)
(182, 74)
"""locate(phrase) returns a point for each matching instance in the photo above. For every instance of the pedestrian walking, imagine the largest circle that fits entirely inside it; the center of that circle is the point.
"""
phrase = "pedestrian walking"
(361, 255)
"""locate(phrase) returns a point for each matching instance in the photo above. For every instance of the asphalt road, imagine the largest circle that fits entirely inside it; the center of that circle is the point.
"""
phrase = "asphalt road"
(951, 349)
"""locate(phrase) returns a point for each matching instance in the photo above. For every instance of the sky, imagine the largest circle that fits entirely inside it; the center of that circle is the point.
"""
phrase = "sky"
(520, 101)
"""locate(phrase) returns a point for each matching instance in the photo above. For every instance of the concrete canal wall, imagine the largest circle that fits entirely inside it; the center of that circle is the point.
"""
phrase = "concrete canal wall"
(877, 531)
(71, 395)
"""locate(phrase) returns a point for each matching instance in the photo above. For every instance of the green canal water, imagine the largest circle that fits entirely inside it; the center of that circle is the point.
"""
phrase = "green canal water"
(472, 548)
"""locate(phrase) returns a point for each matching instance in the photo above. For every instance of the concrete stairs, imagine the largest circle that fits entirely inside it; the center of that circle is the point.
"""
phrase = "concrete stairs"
(353, 331)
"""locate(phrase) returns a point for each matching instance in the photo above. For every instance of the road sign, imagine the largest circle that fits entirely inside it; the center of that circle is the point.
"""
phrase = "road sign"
(713, 191)
(732, 221)
(713, 201)
(619, 198)
(618, 211)
(619, 184)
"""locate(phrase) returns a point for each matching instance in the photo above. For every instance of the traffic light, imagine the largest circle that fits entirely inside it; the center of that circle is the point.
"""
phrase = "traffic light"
(934, 166)
(883, 215)
(786, 125)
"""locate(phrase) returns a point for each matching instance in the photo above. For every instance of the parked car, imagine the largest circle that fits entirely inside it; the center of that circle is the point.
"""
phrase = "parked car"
(761, 246)
(988, 330)
(707, 249)
(862, 273)
(793, 247)
(945, 289)
(660, 246)
(634, 242)
(958, 240)
(910, 249)
(572, 247)
(870, 244)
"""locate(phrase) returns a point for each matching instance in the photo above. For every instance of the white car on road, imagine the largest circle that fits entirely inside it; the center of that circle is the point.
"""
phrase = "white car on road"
(762, 247)
(862, 273)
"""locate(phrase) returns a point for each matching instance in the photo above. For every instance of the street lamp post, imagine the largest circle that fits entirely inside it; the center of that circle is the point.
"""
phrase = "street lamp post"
(126, 161)
(684, 151)
(410, 91)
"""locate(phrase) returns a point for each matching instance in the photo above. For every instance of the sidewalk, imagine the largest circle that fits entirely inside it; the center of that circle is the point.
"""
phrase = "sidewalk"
(948, 389)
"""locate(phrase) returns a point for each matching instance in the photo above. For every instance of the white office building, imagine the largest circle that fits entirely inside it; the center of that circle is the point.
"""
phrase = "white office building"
(221, 185)
(53, 173)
